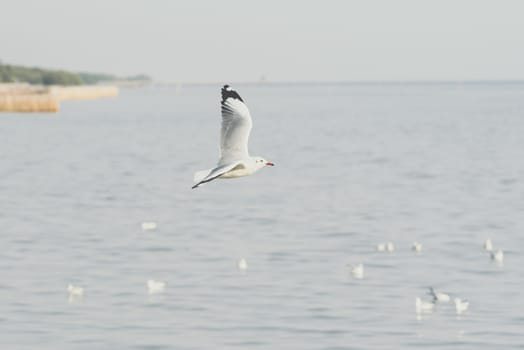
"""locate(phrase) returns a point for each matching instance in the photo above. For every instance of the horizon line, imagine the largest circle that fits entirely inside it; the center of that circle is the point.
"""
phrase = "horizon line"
(345, 82)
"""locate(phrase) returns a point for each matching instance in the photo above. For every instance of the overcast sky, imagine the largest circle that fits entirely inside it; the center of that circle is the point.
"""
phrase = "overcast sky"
(215, 41)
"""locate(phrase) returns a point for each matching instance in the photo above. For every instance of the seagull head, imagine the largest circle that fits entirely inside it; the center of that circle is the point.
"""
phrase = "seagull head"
(261, 162)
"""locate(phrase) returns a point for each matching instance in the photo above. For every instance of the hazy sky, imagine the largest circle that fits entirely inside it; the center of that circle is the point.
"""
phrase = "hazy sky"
(217, 41)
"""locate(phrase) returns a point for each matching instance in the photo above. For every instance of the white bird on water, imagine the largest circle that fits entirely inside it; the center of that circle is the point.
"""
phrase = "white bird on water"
(381, 247)
(416, 247)
(461, 305)
(148, 226)
(488, 245)
(498, 256)
(75, 292)
(390, 247)
(357, 271)
(439, 296)
(156, 287)
(423, 306)
(242, 264)
(234, 156)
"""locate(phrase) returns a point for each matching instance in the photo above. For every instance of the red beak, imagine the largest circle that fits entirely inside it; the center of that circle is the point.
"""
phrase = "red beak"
(270, 164)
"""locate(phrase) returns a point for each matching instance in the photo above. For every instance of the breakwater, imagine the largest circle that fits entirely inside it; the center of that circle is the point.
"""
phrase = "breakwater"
(36, 98)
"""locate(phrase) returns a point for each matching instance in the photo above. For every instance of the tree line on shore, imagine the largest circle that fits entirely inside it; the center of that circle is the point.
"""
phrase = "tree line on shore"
(34, 75)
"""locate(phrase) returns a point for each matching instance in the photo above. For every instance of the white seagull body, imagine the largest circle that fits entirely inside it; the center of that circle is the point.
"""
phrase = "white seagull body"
(423, 306)
(488, 245)
(439, 296)
(148, 226)
(242, 264)
(156, 287)
(416, 247)
(234, 156)
(461, 305)
(74, 291)
(498, 256)
(357, 271)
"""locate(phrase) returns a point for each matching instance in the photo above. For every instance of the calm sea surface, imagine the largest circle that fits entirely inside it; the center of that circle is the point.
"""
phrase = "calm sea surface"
(356, 165)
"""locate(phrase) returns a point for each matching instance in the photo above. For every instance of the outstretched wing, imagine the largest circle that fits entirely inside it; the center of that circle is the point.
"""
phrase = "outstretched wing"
(217, 172)
(236, 126)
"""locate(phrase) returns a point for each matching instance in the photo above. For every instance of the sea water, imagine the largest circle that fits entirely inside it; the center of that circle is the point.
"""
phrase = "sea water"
(356, 165)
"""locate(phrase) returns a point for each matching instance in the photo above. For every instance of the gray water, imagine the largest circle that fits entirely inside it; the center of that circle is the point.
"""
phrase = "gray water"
(356, 165)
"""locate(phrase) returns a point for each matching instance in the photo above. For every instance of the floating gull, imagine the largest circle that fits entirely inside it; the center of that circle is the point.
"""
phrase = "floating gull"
(438, 296)
(357, 271)
(75, 292)
(416, 247)
(488, 245)
(382, 247)
(423, 306)
(242, 264)
(461, 305)
(148, 226)
(234, 156)
(498, 256)
(156, 287)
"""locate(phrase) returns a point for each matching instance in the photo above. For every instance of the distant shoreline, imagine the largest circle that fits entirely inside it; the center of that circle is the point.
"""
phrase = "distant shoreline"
(10, 73)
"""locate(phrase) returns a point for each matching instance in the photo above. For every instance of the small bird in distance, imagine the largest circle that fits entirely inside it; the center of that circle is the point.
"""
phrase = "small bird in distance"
(156, 287)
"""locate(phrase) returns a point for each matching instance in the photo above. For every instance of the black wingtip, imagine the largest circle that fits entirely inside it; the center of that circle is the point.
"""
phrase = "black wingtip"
(227, 92)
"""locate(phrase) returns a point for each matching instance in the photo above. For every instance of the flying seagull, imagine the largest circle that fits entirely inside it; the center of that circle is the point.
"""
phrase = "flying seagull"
(234, 157)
